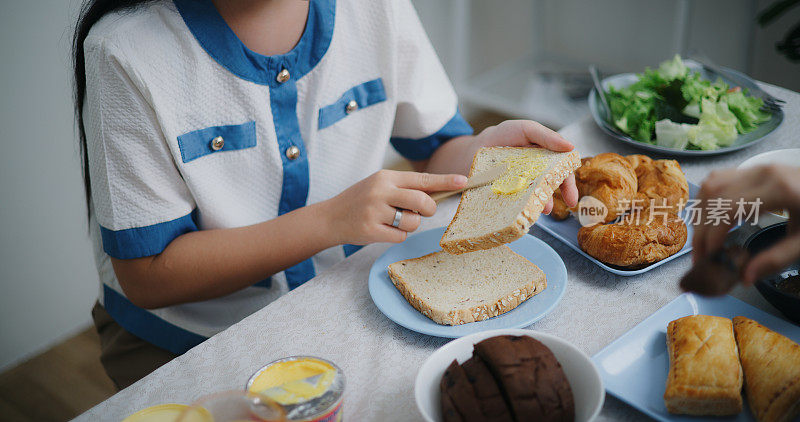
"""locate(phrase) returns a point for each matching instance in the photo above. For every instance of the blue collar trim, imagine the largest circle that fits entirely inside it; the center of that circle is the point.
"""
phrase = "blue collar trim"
(222, 44)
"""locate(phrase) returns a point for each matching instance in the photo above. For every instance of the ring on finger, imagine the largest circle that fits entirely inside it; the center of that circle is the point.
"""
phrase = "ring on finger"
(398, 215)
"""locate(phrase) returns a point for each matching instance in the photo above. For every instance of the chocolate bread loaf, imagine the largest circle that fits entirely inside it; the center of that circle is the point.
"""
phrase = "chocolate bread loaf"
(530, 377)
(458, 396)
(487, 392)
(508, 378)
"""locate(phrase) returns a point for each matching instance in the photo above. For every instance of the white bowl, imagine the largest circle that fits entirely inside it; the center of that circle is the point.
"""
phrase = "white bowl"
(787, 157)
(583, 377)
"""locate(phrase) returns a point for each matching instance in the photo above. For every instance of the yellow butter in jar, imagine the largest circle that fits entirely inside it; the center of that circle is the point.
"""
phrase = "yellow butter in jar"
(310, 389)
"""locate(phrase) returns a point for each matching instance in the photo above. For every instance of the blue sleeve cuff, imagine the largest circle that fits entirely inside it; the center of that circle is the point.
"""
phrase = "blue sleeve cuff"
(147, 326)
(422, 149)
(145, 241)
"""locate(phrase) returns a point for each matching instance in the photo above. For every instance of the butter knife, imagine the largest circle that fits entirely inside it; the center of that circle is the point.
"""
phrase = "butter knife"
(476, 180)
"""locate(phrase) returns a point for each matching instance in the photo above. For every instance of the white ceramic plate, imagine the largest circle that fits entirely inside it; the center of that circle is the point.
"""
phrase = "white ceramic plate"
(583, 377)
(788, 157)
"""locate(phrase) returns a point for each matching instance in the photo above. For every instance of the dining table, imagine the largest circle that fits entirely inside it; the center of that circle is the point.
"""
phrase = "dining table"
(332, 316)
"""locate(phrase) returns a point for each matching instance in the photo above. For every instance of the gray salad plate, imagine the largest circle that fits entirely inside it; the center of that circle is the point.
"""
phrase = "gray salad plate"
(732, 78)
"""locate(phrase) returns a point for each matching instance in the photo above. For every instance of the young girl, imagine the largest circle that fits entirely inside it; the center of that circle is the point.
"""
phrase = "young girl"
(232, 151)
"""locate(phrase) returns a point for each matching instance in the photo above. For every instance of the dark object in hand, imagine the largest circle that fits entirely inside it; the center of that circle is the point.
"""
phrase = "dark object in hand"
(717, 273)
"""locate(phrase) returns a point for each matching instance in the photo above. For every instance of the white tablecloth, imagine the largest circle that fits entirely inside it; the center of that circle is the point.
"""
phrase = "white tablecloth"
(332, 316)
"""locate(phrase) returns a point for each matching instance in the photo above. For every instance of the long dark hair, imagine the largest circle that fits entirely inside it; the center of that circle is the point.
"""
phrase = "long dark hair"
(91, 12)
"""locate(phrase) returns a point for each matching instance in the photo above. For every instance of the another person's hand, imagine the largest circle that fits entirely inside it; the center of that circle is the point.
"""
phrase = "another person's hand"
(777, 187)
(520, 133)
(364, 212)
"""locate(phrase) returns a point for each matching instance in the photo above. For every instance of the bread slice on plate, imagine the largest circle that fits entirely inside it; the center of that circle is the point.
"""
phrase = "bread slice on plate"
(457, 289)
(771, 364)
(486, 218)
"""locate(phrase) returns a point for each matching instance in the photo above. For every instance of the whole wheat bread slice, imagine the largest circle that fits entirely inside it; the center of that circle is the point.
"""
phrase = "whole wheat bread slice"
(457, 289)
(485, 219)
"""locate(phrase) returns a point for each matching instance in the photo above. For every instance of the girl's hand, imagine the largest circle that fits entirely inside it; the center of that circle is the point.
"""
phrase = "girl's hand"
(364, 212)
(525, 133)
(777, 187)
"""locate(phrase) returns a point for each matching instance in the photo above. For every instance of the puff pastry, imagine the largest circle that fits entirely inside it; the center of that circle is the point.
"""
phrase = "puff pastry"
(640, 239)
(705, 377)
(610, 178)
(771, 365)
(660, 182)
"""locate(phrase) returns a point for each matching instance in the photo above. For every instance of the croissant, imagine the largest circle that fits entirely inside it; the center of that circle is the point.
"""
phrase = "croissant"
(560, 209)
(639, 161)
(660, 182)
(640, 239)
(610, 178)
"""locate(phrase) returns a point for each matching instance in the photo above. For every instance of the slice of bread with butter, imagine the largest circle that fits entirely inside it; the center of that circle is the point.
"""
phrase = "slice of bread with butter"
(504, 210)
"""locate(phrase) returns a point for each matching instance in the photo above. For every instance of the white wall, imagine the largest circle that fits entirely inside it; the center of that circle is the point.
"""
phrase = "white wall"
(618, 35)
(47, 277)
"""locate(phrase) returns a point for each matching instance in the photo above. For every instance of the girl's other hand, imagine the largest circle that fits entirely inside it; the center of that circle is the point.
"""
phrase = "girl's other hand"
(364, 212)
(525, 133)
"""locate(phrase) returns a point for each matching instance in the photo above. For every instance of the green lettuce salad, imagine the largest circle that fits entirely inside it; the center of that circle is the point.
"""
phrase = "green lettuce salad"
(675, 108)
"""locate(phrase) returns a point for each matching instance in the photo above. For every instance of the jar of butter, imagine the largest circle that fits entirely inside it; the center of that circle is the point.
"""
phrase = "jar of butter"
(310, 389)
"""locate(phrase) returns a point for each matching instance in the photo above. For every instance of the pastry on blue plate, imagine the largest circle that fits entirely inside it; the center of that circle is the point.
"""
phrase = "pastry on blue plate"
(705, 377)
(771, 364)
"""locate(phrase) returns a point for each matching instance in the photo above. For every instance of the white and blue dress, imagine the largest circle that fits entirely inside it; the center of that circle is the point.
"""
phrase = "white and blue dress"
(188, 129)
